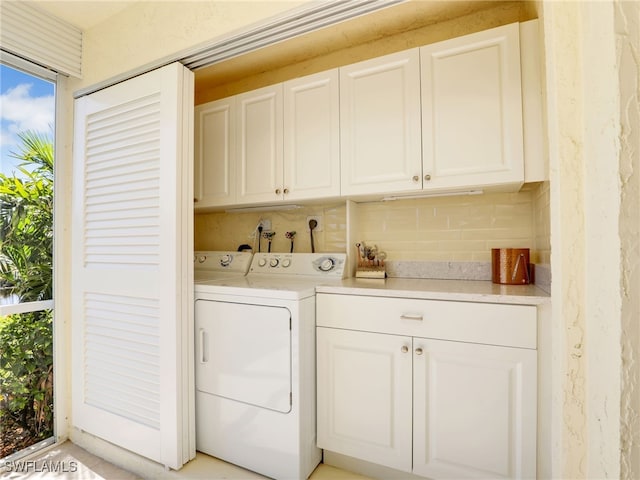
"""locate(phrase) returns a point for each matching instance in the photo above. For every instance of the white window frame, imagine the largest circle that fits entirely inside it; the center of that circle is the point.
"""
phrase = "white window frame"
(59, 384)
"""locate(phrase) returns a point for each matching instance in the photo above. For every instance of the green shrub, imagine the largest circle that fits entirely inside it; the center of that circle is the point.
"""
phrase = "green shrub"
(26, 249)
(26, 372)
(26, 222)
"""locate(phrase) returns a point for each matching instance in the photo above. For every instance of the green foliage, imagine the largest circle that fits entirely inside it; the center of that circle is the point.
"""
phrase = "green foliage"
(26, 247)
(26, 221)
(26, 371)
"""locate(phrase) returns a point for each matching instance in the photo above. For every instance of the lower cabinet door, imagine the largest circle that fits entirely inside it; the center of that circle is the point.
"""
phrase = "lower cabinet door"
(364, 396)
(474, 410)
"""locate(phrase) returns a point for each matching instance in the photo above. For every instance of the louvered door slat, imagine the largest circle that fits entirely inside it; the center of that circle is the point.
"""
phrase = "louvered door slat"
(131, 266)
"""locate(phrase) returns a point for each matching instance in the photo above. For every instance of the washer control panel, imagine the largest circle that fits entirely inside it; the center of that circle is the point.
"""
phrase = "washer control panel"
(218, 261)
(318, 264)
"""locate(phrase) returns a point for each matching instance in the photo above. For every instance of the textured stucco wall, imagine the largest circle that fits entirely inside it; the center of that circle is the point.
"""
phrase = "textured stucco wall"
(627, 27)
(601, 125)
(151, 30)
(592, 71)
(566, 175)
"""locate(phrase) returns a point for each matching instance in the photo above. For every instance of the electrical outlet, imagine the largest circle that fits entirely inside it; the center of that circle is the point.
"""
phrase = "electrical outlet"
(266, 224)
(266, 227)
(317, 218)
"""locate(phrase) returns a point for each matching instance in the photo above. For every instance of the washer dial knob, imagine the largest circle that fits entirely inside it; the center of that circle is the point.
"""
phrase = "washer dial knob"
(326, 265)
(286, 262)
(225, 260)
(262, 262)
(274, 262)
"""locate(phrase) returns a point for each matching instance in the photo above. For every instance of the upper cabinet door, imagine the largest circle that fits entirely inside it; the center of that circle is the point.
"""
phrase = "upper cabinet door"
(132, 313)
(259, 145)
(312, 137)
(472, 110)
(380, 119)
(214, 175)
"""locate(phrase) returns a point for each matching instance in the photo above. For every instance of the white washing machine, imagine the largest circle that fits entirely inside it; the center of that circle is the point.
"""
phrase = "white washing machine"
(255, 363)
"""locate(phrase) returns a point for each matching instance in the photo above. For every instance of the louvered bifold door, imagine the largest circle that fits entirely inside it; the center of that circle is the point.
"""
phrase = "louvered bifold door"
(132, 296)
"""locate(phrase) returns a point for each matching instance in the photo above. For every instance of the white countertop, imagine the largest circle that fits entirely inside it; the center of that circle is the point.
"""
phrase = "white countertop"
(430, 289)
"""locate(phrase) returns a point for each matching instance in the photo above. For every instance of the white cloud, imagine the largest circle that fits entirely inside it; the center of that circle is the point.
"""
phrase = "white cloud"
(20, 112)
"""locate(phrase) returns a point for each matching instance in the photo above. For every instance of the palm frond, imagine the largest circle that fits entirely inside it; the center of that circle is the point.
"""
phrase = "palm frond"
(26, 221)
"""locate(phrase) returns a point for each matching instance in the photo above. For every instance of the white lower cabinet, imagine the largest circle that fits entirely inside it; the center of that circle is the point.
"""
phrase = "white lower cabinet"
(364, 396)
(442, 409)
(474, 411)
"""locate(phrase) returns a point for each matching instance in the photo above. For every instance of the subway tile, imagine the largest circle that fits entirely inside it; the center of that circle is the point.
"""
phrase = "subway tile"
(434, 229)
(462, 245)
(439, 235)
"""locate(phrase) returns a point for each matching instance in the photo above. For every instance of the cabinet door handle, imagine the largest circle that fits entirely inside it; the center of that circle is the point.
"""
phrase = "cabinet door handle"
(404, 349)
(427, 177)
(286, 190)
(418, 351)
(278, 191)
(409, 316)
(416, 178)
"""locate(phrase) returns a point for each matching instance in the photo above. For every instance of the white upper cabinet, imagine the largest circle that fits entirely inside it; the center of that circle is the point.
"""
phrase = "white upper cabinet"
(259, 145)
(450, 117)
(536, 161)
(276, 143)
(472, 111)
(214, 175)
(312, 137)
(380, 125)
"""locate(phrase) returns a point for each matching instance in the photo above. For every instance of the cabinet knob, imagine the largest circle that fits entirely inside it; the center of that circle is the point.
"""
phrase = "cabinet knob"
(418, 351)
(427, 177)
(286, 190)
(278, 191)
(404, 349)
(416, 178)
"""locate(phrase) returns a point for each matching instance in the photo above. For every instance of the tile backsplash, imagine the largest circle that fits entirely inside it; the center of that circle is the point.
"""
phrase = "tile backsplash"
(542, 223)
(227, 231)
(454, 229)
(458, 228)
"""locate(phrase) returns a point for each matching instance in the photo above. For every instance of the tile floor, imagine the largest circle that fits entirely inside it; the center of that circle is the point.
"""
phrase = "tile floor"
(75, 463)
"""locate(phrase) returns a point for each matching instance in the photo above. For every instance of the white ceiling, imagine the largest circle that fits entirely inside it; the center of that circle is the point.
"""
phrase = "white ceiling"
(83, 14)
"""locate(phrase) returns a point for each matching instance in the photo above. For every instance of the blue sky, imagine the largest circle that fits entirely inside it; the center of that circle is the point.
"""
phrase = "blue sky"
(26, 103)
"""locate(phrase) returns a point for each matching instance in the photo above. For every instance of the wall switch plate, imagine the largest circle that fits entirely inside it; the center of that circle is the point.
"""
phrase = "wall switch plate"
(317, 218)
